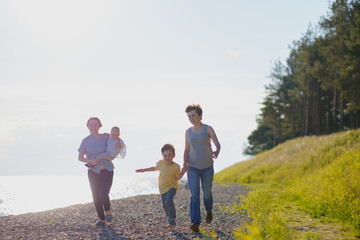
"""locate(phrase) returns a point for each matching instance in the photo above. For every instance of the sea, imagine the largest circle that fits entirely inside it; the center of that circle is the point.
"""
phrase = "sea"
(25, 194)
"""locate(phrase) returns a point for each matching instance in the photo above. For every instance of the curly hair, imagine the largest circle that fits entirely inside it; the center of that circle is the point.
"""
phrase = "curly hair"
(195, 107)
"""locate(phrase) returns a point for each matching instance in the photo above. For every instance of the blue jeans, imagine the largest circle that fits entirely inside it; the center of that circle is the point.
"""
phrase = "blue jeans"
(168, 203)
(100, 185)
(194, 177)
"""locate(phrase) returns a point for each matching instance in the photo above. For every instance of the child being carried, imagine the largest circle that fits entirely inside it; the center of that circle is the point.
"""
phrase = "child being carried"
(114, 147)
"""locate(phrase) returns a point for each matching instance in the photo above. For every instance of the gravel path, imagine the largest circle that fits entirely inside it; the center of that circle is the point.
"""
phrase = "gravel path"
(140, 217)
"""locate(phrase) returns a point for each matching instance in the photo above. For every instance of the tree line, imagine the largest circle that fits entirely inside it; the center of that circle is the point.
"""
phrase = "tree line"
(317, 90)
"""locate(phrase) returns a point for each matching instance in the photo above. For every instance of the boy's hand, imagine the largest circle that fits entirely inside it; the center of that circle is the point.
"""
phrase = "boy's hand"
(181, 174)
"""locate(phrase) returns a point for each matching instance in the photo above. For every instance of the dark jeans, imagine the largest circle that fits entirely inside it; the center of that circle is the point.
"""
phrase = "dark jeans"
(168, 203)
(100, 185)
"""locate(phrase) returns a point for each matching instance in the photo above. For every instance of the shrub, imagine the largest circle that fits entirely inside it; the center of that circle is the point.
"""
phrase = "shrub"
(264, 222)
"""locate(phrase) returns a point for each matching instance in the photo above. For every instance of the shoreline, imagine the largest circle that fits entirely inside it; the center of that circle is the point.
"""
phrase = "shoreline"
(138, 217)
(51, 192)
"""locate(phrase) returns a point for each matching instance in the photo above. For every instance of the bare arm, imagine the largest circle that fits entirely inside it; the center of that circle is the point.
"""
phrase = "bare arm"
(186, 156)
(150, 169)
(181, 174)
(213, 137)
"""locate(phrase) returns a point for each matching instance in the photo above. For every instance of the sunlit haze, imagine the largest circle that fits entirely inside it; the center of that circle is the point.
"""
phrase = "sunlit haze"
(136, 64)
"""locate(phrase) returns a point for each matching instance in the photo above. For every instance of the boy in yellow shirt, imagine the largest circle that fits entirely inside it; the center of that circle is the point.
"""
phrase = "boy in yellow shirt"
(168, 182)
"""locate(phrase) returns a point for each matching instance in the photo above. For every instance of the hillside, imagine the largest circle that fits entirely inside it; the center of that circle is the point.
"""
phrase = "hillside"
(318, 175)
(293, 160)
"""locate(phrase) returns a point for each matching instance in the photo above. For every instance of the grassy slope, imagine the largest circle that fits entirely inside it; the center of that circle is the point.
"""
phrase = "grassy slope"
(320, 174)
(292, 160)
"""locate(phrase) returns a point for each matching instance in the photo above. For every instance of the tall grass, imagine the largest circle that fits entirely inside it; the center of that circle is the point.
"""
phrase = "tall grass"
(322, 173)
(263, 221)
(334, 191)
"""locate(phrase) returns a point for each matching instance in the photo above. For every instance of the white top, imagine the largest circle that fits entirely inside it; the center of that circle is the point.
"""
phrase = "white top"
(113, 150)
(122, 150)
(112, 147)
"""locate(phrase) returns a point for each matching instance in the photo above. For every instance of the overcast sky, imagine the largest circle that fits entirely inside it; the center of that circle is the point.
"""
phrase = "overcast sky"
(136, 64)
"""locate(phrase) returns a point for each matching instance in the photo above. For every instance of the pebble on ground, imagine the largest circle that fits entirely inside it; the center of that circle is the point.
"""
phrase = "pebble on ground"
(139, 217)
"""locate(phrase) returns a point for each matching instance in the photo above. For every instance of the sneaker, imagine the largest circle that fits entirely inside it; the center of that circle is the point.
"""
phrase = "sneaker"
(209, 217)
(89, 165)
(100, 223)
(195, 227)
(172, 223)
(108, 218)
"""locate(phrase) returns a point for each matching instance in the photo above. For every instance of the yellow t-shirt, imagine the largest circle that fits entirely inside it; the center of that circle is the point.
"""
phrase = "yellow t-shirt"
(167, 176)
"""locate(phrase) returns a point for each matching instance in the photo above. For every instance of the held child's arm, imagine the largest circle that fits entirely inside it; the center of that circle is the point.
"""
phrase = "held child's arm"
(118, 143)
(96, 161)
(150, 169)
(82, 158)
(186, 155)
(181, 174)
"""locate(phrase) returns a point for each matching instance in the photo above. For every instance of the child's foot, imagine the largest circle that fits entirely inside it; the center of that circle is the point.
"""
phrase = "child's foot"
(209, 217)
(89, 165)
(172, 223)
(195, 227)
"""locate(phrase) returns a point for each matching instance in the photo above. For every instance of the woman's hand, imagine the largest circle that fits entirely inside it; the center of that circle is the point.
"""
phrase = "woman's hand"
(215, 154)
(82, 158)
(94, 161)
(213, 137)
(181, 174)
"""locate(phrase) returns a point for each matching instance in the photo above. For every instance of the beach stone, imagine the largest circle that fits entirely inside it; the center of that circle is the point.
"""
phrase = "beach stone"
(139, 217)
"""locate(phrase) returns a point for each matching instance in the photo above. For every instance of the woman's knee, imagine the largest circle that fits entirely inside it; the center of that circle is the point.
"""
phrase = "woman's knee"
(195, 197)
(104, 197)
(208, 195)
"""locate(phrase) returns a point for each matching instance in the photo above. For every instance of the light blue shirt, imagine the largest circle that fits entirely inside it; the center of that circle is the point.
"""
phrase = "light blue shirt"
(92, 147)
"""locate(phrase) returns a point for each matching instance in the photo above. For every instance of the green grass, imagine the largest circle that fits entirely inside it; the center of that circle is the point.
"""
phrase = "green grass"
(315, 178)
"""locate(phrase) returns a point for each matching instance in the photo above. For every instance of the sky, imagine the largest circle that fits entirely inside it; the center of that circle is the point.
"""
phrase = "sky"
(136, 64)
